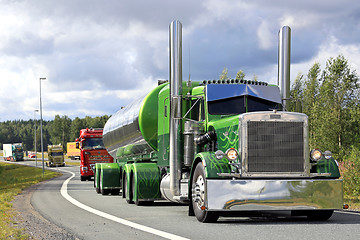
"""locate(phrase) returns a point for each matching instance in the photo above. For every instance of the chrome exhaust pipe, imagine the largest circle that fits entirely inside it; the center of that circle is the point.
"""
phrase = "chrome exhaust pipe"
(175, 42)
(284, 65)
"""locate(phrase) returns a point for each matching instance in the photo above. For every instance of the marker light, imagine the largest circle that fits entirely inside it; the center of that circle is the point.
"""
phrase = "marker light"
(327, 154)
(219, 154)
(316, 154)
(231, 154)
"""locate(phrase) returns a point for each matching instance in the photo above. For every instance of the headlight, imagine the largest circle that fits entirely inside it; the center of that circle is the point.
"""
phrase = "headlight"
(316, 154)
(219, 154)
(231, 154)
(327, 154)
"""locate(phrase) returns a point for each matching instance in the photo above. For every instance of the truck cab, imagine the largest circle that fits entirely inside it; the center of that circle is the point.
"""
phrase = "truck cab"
(92, 151)
(55, 156)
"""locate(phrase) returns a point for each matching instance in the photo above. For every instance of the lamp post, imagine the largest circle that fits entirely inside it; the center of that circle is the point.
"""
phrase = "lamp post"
(36, 110)
(41, 132)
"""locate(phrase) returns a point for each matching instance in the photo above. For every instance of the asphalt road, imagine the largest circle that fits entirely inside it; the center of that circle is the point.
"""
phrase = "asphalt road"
(76, 207)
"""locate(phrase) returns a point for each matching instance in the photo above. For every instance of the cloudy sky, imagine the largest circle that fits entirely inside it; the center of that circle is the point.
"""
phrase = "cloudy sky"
(99, 55)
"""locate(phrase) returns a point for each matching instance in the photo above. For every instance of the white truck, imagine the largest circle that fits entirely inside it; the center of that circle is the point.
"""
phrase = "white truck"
(13, 152)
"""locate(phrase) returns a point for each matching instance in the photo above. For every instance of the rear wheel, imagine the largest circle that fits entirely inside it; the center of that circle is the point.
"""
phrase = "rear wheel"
(115, 191)
(97, 182)
(128, 189)
(103, 191)
(123, 187)
(198, 198)
(83, 178)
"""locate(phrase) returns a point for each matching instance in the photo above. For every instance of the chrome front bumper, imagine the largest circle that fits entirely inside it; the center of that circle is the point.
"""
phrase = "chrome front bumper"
(262, 195)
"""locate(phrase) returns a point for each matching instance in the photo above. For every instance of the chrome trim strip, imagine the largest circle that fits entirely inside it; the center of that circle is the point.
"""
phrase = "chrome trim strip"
(248, 195)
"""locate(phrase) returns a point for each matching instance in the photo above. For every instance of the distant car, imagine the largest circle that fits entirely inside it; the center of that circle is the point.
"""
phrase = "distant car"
(31, 155)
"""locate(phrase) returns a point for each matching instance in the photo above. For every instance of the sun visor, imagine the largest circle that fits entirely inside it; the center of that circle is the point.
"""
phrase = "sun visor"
(219, 91)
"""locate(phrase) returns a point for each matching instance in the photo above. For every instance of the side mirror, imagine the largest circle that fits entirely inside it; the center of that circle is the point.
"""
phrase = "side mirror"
(77, 145)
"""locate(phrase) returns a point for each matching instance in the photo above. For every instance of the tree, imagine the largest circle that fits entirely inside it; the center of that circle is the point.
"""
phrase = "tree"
(76, 125)
(296, 95)
(240, 75)
(331, 100)
(224, 74)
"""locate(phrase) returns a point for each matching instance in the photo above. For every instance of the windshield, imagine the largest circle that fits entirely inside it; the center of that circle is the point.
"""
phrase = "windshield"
(234, 99)
(56, 154)
(239, 105)
(93, 143)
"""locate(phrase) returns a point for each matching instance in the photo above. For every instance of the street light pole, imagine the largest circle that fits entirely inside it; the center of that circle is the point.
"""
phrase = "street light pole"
(41, 132)
(36, 110)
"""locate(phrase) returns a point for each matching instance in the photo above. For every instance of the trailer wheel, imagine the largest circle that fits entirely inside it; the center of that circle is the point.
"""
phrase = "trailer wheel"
(115, 191)
(103, 191)
(127, 189)
(198, 200)
(97, 182)
(123, 188)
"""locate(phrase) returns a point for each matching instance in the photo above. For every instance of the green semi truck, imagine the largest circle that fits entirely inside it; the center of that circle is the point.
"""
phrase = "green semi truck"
(222, 147)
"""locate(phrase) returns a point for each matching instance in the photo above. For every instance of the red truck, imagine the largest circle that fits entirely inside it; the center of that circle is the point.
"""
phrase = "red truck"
(92, 151)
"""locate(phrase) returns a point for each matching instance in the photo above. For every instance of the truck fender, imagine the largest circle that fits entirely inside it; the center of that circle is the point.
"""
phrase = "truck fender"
(211, 164)
(108, 175)
(328, 166)
(212, 167)
(146, 180)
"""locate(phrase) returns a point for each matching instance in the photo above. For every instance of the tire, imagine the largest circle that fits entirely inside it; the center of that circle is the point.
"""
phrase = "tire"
(115, 191)
(82, 178)
(129, 200)
(103, 191)
(96, 180)
(144, 203)
(319, 215)
(198, 187)
(123, 187)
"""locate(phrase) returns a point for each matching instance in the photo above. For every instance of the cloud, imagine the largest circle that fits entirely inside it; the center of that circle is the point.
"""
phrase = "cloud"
(98, 56)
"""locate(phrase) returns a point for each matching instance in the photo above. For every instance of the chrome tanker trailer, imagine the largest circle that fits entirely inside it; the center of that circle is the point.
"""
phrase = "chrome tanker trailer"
(222, 147)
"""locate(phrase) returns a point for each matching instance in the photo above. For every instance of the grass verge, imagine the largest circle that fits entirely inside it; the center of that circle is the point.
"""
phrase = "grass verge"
(13, 179)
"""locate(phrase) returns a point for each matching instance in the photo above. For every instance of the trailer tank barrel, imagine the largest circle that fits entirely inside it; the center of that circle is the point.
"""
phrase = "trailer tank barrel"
(134, 123)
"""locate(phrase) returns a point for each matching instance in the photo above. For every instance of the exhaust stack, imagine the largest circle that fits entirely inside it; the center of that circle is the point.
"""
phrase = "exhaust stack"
(175, 42)
(284, 65)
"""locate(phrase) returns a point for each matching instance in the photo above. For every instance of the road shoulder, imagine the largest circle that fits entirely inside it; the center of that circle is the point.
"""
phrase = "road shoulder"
(33, 223)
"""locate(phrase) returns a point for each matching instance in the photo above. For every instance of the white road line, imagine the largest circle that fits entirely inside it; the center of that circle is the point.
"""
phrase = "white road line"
(353, 213)
(65, 194)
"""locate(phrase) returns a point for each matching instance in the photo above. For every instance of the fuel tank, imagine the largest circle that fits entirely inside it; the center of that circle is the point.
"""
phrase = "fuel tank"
(135, 125)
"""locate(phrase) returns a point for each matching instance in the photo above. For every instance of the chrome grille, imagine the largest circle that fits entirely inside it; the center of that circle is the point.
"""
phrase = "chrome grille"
(275, 147)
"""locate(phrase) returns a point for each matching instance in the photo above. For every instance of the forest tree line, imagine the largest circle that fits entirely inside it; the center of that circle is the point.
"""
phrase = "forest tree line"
(330, 97)
(58, 131)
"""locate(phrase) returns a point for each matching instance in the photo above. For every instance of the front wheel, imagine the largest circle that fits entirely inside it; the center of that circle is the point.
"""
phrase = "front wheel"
(198, 198)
